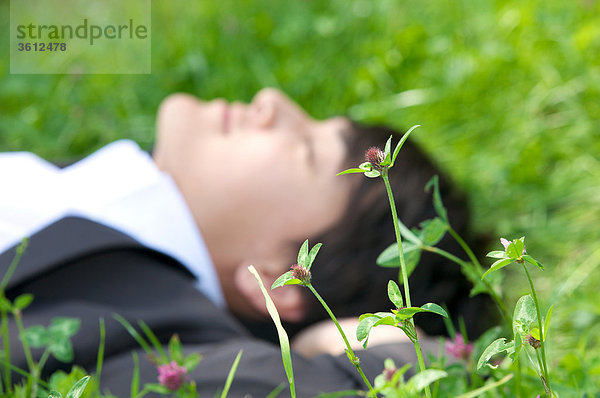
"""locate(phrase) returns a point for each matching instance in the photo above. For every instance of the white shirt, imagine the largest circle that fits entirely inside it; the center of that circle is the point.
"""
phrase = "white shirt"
(118, 186)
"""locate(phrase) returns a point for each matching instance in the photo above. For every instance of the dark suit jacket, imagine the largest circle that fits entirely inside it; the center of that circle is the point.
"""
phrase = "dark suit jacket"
(78, 268)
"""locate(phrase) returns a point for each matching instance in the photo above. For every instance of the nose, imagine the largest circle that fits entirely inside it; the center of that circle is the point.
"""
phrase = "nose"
(271, 106)
(263, 113)
(269, 94)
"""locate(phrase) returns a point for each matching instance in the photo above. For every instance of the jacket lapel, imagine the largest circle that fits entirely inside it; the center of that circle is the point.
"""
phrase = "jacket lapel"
(67, 239)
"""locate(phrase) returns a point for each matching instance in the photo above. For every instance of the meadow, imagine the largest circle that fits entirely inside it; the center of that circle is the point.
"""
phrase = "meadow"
(507, 93)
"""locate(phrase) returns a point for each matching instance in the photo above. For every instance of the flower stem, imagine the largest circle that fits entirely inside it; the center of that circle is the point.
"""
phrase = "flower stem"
(490, 290)
(479, 269)
(403, 271)
(351, 355)
(421, 360)
(465, 247)
(543, 364)
(403, 274)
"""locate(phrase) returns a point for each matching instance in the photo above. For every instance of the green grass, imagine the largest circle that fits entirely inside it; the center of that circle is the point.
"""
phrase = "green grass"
(508, 94)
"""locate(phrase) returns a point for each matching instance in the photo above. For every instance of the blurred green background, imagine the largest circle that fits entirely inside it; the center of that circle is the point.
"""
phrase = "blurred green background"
(507, 92)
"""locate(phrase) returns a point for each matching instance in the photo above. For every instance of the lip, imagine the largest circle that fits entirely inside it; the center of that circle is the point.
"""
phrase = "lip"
(226, 122)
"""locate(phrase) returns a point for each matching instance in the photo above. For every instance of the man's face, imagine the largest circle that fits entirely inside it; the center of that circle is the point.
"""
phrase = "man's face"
(257, 177)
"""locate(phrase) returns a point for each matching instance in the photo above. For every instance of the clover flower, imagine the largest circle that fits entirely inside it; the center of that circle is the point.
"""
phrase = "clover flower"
(375, 156)
(532, 341)
(506, 243)
(301, 273)
(171, 375)
(379, 161)
(389, 371)
(458, 349)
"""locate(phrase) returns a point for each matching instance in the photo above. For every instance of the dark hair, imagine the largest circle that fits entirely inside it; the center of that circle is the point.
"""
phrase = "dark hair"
(345, 272)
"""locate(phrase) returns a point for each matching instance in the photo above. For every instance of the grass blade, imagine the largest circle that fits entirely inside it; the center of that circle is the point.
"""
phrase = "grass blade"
(401, 143)
(231, 374)
(547, 322)
(275, 393)
(135, 379)
(100, 358)
(154, 340)
(284, 341)
(487, 387)
(134, 333)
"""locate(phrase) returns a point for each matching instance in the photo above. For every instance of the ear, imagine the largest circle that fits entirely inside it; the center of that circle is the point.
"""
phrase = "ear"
(289, 300)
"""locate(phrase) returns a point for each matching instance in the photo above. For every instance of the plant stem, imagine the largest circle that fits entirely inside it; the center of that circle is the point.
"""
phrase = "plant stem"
(43, 359)
(403, 271)
(479, 268)
(541, 365)
(518, 379)
(13, 265)
(544, 369)
(420, 359)
(351, 354)
(100, 359)
(31, 383)
(490, 290)
(404, 274)
(465, 247)
(6, 341)
(4, 313)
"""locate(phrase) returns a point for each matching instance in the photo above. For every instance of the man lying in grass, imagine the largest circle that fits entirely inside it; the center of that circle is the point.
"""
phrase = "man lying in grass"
(167, 239)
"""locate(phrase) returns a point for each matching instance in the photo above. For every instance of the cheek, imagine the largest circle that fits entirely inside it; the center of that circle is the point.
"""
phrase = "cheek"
(174, 129)
(259, 181)
(267, 196)
(174, 116)
(267, 187)
(275, 166)
(284, 189)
